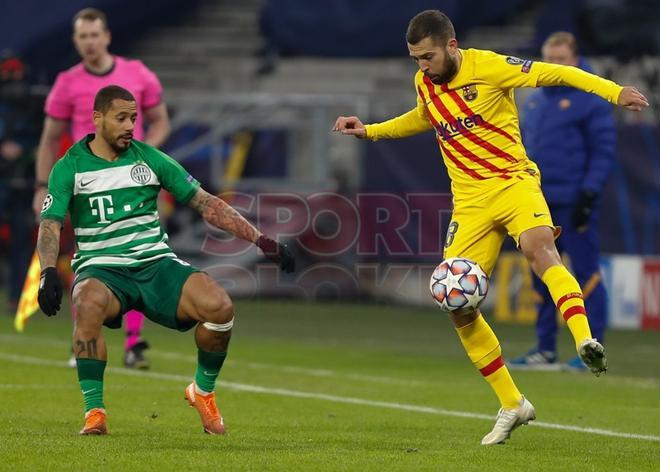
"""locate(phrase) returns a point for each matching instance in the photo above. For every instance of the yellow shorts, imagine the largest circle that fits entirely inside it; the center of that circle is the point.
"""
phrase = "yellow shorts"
(479, 226)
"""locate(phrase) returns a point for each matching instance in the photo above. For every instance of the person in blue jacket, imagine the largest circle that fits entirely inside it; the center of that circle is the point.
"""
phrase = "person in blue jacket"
(571, 136)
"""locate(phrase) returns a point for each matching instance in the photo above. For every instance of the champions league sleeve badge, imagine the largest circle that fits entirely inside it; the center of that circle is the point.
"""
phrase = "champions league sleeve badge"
(48, 201)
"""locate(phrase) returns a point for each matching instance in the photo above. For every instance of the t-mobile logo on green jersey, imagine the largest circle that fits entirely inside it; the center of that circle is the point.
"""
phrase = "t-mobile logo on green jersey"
(100, 207)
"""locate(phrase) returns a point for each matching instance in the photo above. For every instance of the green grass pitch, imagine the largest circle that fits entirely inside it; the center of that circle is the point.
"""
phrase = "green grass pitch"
(311, 386)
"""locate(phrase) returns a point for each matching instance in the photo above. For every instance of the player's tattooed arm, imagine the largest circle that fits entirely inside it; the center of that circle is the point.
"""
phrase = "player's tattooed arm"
(48, 242)
(221, 215)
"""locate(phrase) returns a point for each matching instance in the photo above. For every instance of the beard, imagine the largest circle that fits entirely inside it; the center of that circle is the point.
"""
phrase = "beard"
(449, 71)
(114, 141)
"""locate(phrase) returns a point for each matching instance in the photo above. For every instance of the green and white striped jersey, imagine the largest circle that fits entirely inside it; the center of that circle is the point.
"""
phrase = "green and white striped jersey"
(113, 205)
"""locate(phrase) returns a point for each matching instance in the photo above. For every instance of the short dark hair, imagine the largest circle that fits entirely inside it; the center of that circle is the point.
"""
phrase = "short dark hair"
(91, 14)
(430, 23)
(105, 96)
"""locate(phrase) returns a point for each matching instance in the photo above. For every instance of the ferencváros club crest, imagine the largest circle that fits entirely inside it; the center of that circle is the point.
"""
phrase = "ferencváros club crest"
(470, 92)
(141, 174)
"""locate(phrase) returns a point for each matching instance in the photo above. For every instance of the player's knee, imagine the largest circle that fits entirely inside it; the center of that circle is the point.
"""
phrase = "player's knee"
(88, 323)
(217, 308)
(530, 251)
(537, 243)
(89, 302)
(542, 253)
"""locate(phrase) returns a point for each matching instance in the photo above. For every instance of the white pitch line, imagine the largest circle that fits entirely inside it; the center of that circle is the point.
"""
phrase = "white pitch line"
(642, 383)
(332, 398)
(37, 387)
(290, 369)
(287, 369)
(75, 388)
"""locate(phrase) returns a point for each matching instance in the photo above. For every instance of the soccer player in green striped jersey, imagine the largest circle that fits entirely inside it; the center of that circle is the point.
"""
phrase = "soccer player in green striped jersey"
(109, 184)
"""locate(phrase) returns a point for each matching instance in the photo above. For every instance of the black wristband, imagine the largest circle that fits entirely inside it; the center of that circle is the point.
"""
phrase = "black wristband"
(45, 270)
(267, 245)
(40, 184)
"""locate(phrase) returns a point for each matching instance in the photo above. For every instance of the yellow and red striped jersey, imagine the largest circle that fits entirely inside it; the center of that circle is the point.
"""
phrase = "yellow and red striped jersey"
(475, 118)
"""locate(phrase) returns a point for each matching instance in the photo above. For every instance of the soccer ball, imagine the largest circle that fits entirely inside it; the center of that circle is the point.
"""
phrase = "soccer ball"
(458, 284)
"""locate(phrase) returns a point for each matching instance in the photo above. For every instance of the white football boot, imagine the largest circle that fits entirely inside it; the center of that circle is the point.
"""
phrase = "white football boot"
(592, 354)
(508, 420)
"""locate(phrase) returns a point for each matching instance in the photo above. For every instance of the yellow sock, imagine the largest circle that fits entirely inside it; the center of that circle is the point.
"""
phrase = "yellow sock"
(484, 351)
(567, 295)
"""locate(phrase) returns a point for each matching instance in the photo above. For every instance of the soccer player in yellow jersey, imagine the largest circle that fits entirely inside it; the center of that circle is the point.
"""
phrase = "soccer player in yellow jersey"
(466, 97)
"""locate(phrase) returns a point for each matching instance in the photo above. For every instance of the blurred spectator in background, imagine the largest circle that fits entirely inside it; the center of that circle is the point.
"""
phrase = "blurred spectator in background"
(20, 122)
(571, 136)
(70, 104)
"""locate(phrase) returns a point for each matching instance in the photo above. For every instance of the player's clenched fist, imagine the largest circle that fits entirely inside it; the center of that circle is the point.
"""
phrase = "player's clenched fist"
(632, 99)
(350, 125)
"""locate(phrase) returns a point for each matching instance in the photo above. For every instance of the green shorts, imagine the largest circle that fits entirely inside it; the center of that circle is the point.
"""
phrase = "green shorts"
(154, 289)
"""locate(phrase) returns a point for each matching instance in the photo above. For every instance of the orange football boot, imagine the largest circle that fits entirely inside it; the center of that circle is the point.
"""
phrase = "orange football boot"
(207, 409)
(94, 422)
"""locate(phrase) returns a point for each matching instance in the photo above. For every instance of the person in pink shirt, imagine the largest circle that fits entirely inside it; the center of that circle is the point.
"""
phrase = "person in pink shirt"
(69, 107)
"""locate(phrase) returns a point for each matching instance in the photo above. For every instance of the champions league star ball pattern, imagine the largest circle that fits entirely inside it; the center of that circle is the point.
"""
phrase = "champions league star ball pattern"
(458, 283)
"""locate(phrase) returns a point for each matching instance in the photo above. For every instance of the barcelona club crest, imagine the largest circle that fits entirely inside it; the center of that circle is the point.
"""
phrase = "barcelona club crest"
(470, 92)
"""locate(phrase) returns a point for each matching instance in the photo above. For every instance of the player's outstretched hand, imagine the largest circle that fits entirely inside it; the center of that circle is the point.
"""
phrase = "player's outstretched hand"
(350, 125)
(50, 291)
(278, 253)
(632, 99)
